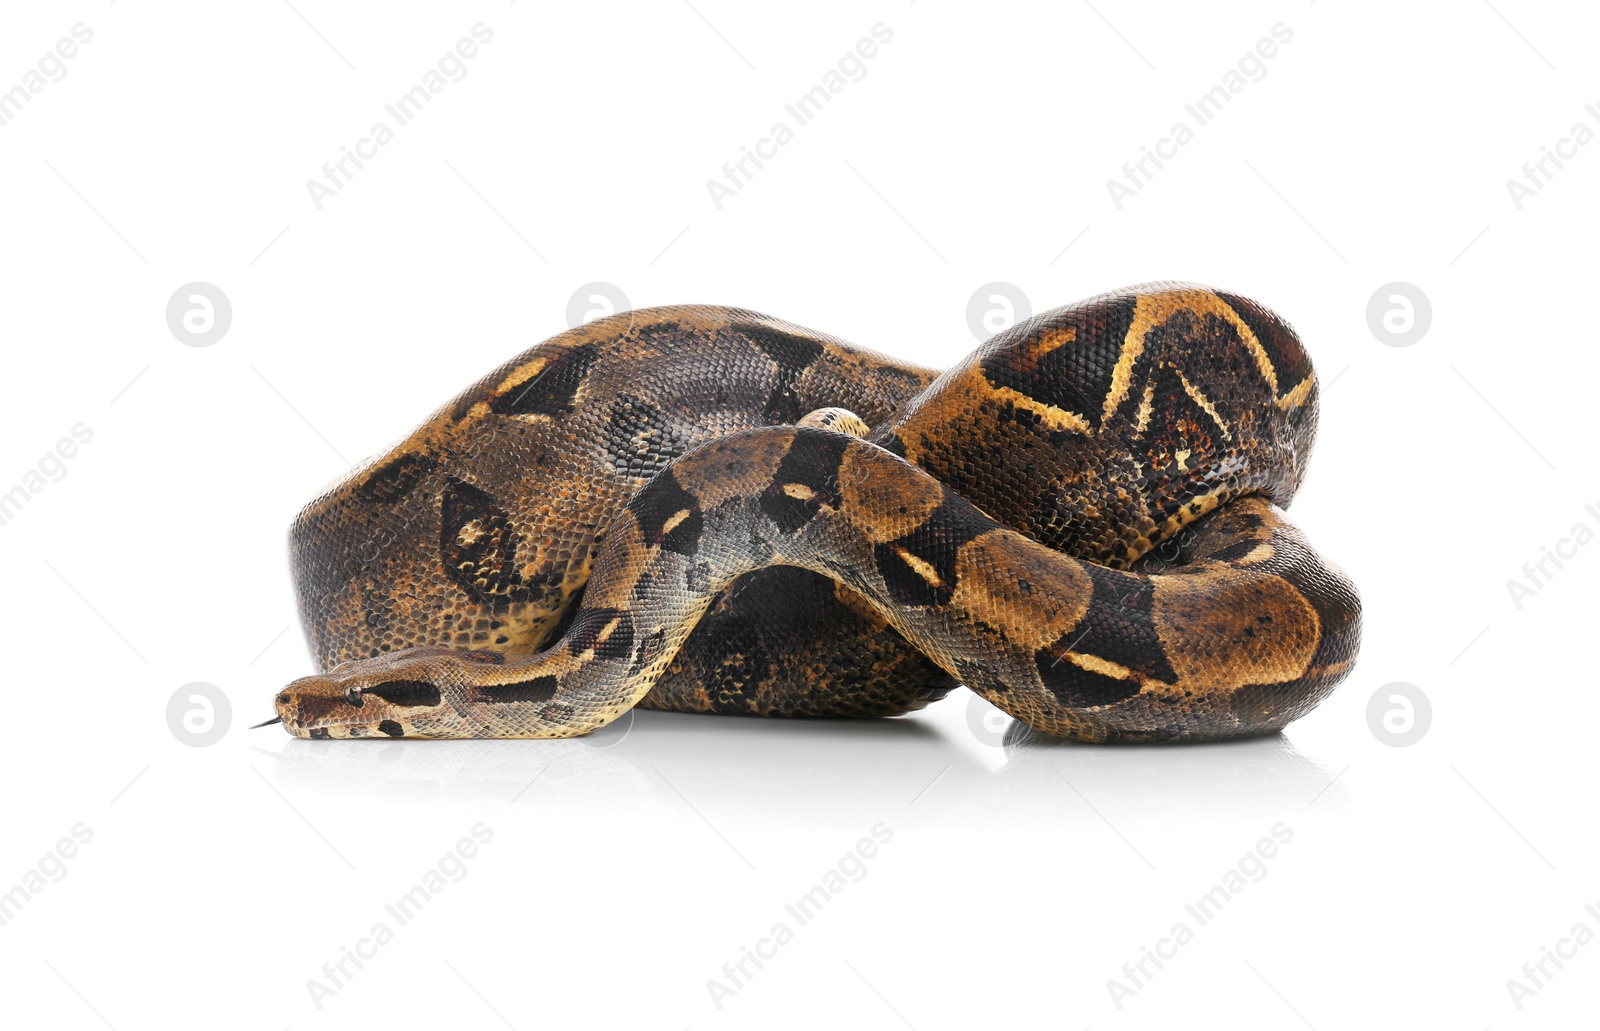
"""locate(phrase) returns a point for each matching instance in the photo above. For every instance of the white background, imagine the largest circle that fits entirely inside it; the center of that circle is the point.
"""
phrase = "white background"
(977, 147)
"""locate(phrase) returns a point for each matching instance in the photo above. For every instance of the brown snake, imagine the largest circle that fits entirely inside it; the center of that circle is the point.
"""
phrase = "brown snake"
(705, 509)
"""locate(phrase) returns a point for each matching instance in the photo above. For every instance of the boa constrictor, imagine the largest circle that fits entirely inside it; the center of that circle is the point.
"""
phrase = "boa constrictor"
(709, 510)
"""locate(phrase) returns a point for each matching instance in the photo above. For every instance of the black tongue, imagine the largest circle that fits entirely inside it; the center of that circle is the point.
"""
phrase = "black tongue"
(268, 723)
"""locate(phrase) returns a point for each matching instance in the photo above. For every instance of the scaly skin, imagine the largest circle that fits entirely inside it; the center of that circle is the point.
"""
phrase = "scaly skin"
(1127, 578)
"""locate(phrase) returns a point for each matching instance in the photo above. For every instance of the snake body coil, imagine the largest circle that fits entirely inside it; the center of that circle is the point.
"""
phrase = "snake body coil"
(708, 510)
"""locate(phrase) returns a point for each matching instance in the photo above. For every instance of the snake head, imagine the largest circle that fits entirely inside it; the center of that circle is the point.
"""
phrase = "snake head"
(408, 693)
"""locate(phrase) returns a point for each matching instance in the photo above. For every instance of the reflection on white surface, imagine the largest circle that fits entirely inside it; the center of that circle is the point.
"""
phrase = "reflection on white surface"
(1226, 777)
(800, 771)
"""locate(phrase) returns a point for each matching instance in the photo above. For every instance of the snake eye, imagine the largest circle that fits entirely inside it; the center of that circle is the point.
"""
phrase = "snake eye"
(353, 696)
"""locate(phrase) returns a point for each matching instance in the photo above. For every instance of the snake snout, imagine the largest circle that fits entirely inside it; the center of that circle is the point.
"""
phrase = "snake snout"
(310, 704)
(400, 697)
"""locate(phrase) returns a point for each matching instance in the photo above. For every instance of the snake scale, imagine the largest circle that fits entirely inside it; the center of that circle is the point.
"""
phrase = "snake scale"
(708, 510)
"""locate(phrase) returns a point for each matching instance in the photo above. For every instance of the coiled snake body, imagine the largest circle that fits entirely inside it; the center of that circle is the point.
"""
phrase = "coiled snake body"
(705, 509)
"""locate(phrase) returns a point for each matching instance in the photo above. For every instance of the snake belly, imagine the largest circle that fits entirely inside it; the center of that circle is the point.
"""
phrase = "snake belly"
(709, 510)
